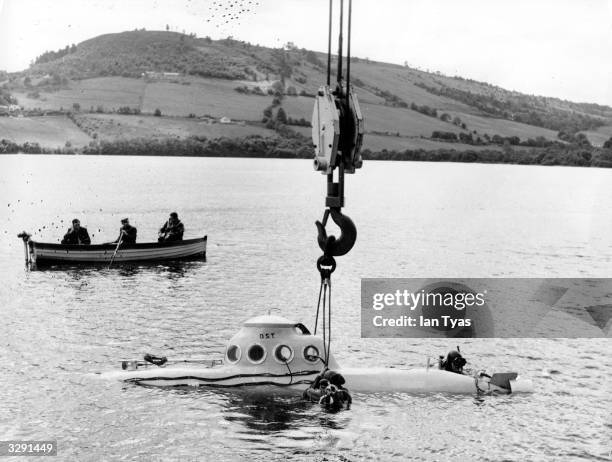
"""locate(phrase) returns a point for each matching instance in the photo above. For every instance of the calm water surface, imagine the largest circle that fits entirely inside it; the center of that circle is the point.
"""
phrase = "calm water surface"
(414, 220)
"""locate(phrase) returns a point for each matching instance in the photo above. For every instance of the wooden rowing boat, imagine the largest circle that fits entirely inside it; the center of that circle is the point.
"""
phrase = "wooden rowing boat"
(45, 254)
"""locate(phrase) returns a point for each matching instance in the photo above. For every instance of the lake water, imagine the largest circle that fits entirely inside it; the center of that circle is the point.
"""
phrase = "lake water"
(413, 219)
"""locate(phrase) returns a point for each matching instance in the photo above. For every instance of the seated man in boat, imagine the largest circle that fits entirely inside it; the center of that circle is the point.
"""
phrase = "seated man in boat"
(172, 230)
(76, 235)
(127, 233)
(454, 362)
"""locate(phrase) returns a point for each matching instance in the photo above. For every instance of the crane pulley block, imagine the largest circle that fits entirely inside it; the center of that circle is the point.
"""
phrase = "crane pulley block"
(325, 130)
(337, 130)
(351, 156)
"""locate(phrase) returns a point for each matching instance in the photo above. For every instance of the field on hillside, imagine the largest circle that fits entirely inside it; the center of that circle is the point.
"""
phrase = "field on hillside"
(50, 132)
(410, 123)
(115, 126)
(403, 121)
(315, 78)
(204, 97)
(493, 126)
(399, 81)
(378, 118)
(197, 96)
(108, 92)
(401, 143)
(600, 136)
(218, 98)
(298, 107)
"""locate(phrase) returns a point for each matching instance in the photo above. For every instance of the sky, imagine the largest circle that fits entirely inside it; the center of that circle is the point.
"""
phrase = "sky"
(560, 48)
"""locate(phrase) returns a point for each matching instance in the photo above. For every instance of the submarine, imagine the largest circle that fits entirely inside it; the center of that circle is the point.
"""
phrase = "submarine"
(270, 350)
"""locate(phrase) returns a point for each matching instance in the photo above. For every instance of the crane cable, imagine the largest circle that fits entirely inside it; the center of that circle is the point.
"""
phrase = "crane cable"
(326, 264)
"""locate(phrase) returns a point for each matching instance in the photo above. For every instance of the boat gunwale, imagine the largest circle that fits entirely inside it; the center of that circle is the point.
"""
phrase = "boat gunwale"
(106, 247)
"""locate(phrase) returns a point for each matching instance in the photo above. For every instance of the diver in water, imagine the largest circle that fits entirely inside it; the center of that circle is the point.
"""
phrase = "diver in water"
(454, 362)
(328, 390)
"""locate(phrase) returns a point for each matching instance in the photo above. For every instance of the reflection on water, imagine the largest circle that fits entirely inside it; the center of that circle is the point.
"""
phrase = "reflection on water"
(265, 412)
(414, 219)
(124, 268)
(178, 269)
(128, 271)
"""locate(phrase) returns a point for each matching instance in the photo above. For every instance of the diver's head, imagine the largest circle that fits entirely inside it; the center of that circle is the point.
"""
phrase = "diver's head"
(331, 389)
(335, 378)
(455, 361)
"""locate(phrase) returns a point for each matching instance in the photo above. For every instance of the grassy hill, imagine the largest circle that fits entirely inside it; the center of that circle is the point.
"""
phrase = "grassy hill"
(185, 78)
(129, 54)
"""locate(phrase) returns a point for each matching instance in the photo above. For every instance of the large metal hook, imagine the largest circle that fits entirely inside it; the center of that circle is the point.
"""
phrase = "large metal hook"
(331, 245)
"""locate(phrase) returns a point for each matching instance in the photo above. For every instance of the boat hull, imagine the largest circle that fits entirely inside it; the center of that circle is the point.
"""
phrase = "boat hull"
(44, 254)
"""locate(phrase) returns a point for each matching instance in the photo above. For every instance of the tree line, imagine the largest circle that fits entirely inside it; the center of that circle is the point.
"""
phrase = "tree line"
(297, 147)
(48, 56)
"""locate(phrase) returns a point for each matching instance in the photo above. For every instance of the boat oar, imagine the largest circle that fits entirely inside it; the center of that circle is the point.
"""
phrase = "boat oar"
(116, 249)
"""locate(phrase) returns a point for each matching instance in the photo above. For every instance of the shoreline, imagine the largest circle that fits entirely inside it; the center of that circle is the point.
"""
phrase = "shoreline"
(262, 148)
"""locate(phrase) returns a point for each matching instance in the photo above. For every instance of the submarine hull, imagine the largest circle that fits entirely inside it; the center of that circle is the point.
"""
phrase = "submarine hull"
(273, 351)
(390, 380)
(216, 377)
(371, 380)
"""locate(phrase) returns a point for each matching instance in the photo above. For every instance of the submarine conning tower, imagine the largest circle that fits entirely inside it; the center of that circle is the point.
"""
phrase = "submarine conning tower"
(273, 344)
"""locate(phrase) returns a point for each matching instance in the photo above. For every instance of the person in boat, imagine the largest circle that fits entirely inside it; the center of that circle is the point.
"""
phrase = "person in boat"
(76, 235)
(454, 362)
(172, 230)
(127, 233)
(328, 390)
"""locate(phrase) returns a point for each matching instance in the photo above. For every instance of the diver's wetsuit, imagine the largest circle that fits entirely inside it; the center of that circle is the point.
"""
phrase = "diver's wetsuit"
(328, 389)
(454, 362)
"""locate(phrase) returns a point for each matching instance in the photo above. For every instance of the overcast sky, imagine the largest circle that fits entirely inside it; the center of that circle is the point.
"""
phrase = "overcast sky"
(557, 48)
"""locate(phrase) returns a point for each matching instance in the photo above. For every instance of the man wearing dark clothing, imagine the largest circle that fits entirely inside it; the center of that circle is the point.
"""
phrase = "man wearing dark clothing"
(454, 362)
(127, 231)
(172, 230)
(76, 235)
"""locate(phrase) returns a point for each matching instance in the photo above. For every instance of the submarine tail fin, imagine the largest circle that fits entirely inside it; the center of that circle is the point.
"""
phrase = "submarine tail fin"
(503, 379)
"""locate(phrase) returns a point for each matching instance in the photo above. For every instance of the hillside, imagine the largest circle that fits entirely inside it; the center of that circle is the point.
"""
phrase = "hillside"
(133, 75)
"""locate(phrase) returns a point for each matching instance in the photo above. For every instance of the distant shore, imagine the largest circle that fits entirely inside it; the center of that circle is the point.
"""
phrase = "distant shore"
(260, 147)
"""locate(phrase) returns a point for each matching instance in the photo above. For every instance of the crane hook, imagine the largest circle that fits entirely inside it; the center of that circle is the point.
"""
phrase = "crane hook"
(331, 245)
